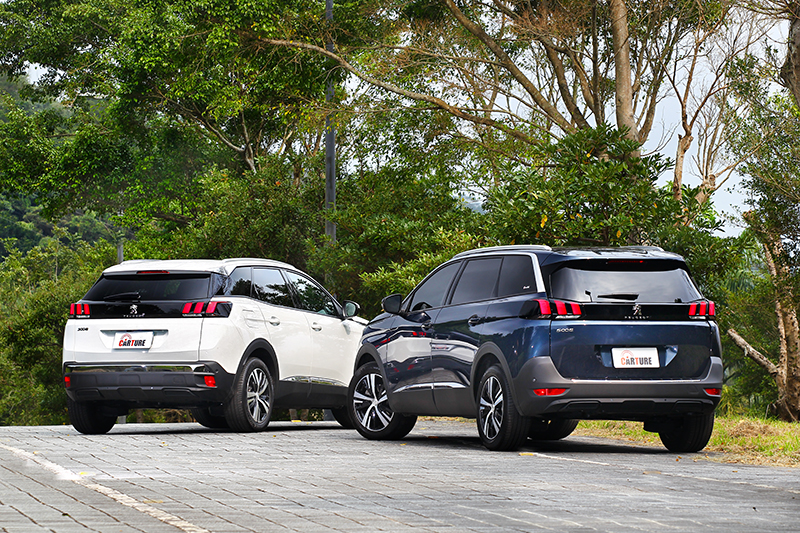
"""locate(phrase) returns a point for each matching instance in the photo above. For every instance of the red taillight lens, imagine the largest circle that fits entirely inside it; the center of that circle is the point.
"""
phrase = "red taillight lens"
(549, 392)
(212, 309)
(544, 307)
(704, 309)
(210, 381)
(79, 310)
(566, 308)
(714, 392)
(67, 381)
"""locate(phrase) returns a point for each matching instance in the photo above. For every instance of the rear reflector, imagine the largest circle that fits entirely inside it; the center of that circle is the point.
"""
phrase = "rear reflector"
(549, 392)
(67, 380)
(210, 381)
(714, 392)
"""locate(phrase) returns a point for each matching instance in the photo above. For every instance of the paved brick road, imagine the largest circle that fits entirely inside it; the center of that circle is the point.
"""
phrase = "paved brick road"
(318, 477)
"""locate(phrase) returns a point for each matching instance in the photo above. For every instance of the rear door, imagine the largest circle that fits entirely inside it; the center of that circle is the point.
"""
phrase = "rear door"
(626, 319)
(456, 332)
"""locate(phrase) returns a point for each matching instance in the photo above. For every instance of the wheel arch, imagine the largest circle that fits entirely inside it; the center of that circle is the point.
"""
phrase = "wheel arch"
(261, 349)
(490, 354)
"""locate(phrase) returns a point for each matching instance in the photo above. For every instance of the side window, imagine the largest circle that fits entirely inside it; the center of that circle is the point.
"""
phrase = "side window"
(478, 280)
(311, 296)
(269, 286)
(434, 289)
(239, 282)
(516, 276)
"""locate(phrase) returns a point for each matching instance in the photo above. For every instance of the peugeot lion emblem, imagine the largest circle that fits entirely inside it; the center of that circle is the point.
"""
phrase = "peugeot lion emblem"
(134, 309)
(637, 310)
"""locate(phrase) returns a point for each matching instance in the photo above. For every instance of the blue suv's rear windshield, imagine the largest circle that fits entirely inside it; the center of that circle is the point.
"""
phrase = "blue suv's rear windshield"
(154, 287)
(618, 283)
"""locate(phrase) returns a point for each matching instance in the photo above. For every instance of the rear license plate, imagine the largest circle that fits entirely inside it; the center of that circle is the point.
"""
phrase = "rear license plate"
(635, 357)
(133, 340)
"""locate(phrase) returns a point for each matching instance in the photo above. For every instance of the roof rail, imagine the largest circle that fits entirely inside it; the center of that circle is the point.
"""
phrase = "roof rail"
(644, 248)
(507, 248)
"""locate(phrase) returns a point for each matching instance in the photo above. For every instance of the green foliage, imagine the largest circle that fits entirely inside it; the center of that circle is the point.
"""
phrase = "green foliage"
(37, 289)
(588, 190)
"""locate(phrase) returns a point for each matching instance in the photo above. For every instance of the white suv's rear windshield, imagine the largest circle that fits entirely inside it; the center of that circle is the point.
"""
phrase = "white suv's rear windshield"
(627, 284)
(161, 287)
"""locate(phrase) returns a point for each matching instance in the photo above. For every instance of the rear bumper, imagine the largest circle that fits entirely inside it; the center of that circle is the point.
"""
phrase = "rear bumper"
(613, 399)
(148, 386)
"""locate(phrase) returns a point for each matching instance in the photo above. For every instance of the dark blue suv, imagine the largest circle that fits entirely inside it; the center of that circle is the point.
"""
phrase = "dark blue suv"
(530, 339)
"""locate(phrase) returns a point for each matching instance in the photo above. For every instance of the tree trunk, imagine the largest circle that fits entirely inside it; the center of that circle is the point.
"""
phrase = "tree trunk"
(787, 372)
(622, 68)
(684, 143)
(790, 71)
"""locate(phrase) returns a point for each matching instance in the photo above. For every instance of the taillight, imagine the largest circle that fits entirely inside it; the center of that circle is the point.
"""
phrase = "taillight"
(549, 392)
(704, 309)
(195, 309)
(79, 310)
(542, 308)
(67, 381)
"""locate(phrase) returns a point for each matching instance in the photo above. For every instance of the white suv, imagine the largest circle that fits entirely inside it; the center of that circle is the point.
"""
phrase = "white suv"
(231, 340)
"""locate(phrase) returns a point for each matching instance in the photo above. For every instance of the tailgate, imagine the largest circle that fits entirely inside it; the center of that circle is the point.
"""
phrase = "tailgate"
(638, 342)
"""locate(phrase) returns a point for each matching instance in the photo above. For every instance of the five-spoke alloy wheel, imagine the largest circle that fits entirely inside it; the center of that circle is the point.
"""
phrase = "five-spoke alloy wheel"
(369, 407)
(250, 408)
(500, 426)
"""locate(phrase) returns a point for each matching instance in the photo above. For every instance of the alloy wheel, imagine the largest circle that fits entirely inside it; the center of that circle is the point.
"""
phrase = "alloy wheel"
(370, 403)
(491, 407)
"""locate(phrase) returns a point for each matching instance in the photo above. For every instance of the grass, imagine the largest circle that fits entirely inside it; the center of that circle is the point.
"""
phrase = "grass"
(739, 439)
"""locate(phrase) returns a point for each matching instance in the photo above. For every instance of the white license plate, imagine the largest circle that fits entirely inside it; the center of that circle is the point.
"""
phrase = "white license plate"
(133, 340)
(635, 357)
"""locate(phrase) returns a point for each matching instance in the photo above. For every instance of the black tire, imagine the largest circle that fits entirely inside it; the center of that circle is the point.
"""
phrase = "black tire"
(689, 434)
(342, 415)
(205, 418)
(500, 425)
(552, 429)
(89, 418)
(369, 407)
(250, 407)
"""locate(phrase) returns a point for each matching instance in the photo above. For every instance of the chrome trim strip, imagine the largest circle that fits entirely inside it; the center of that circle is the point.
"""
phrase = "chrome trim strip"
(316, 380)
(415, 386)
(449, 385)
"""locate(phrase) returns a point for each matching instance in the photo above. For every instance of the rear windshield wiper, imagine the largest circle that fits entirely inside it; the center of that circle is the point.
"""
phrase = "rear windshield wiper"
(122, 296)
(619, 296)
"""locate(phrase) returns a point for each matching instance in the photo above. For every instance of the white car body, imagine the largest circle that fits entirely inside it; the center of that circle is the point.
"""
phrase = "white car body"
(126, 351)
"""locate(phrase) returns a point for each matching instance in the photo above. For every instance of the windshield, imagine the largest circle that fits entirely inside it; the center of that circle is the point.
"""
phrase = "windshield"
(623, 285)
(155, 287)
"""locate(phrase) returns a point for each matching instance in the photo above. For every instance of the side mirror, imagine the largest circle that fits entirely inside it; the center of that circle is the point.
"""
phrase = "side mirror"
(351, 308)
(391, 304)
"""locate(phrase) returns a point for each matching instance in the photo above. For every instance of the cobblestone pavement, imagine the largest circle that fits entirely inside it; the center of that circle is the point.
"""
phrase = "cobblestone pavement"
(312, 477)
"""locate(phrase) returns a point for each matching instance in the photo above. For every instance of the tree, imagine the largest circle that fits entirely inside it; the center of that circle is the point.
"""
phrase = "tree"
(773, 182)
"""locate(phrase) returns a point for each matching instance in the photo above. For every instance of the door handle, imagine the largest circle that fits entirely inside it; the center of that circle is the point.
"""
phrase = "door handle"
(316, 327)
(275, 321)
(473, 320)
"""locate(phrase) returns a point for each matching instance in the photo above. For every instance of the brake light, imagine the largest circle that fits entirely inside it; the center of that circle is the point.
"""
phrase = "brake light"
(542, 308)
(549, 392)
(704, 309)
(206, 309)
(153, 272)
(79, 310)
(567, 308)
(67, 381)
